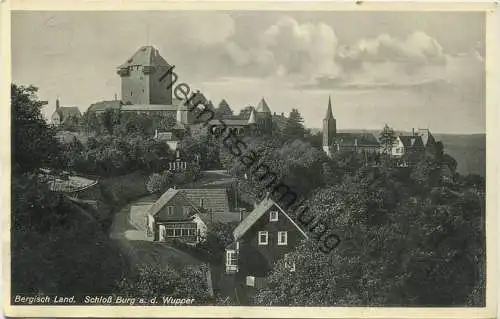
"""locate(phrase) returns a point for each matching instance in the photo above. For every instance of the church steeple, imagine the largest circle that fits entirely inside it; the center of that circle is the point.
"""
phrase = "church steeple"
(329, 128)
(329, 112)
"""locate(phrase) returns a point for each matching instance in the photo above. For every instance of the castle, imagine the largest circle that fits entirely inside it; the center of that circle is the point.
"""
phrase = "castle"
(146, 87)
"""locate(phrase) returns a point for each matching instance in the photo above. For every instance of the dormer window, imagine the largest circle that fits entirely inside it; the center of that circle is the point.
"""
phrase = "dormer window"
(273, 216)
(263, 238)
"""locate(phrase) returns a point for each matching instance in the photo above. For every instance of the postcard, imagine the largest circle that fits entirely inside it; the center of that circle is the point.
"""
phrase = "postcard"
(250, 159)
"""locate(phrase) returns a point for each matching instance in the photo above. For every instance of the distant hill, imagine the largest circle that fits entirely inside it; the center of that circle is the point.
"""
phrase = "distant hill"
(468, 149)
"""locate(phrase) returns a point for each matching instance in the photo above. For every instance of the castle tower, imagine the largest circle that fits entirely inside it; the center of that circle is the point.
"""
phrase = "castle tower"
(141, 78)
(264, 116)
(329, 128)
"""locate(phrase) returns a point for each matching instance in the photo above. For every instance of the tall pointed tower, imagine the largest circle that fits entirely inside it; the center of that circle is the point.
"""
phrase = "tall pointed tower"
(141, 78)
(329, 128)
(264, 116)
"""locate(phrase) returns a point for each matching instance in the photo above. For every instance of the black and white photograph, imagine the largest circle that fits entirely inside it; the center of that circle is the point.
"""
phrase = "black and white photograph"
(286, 159)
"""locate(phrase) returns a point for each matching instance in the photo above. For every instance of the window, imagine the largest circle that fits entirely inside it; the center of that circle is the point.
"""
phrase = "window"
(186, 209)
(251, 281)
(273, 216)
(201, 202)
(231, 261)
(263, 237)
(170, 210)
(282, 238)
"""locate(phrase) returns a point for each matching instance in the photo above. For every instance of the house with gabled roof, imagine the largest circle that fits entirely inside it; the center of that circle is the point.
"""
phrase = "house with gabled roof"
(187, 214)
(266, 235)
(64, 114)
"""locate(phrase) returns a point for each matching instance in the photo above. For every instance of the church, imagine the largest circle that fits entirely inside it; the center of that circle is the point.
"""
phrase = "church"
(337, 142)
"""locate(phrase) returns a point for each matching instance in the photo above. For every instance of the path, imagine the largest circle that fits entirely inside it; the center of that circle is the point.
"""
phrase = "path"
(128, 229)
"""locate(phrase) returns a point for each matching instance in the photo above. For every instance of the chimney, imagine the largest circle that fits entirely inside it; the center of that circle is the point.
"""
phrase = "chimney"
(57, 103)
(267, 195)
(413, 131)
(116, 97)
(242, 213)
(282, 114)
(156, 133)
(274, 113)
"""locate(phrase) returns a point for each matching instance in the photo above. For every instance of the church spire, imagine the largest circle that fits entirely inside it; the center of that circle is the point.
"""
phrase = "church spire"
(329, 112)
(329, 129)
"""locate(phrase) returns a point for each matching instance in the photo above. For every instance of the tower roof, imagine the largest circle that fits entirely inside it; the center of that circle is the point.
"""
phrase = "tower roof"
(223, 103)
(146, 56)
(251, 119)
(262, 107)
(329, 112)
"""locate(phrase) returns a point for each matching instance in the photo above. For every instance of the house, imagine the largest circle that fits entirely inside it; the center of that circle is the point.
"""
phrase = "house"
(187, 214)
(266, 235)
(411, 148)
(64, 114)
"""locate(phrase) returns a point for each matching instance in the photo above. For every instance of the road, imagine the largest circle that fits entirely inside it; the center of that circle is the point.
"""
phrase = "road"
(128, 229)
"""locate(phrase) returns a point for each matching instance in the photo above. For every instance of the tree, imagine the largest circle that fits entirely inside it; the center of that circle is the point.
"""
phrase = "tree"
(158, 183)
(294, 127)
(400, 246)
(33, 142)
(155, 281)
(91, 123)
(387, 138)
(109, 119)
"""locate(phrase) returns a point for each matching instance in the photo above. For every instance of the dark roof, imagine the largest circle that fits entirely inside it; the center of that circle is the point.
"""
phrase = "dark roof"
(226, 217)
(256, 214)
(214, 199)
(411, 141)
(68, 111)
(233, 120)
(104, 105)
(145, 56)
(150, 107)
(223, 104)
(350, 139)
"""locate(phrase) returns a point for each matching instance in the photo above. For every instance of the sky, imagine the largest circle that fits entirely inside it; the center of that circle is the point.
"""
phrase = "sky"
(405, 69)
